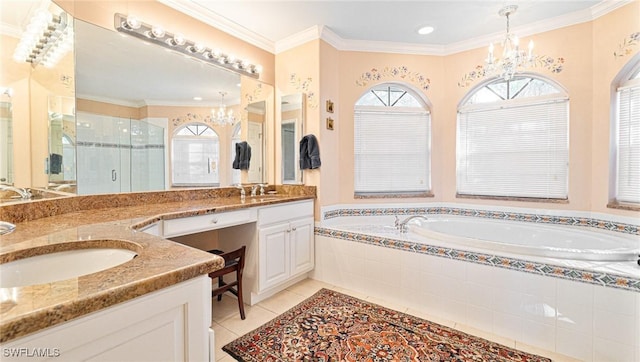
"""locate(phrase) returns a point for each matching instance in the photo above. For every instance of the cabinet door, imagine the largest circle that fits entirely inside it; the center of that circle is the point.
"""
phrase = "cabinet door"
(274, 255)
(302, 246)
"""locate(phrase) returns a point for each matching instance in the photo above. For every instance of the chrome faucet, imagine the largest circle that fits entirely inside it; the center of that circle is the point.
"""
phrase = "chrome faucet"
(243, 194)
(262, 186)
(254, 190)
(24, 193)
(402, 225)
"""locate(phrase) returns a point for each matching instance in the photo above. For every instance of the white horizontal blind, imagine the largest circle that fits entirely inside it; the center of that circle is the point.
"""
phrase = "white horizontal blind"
(392, 151)
(518, 151)
(628, 140)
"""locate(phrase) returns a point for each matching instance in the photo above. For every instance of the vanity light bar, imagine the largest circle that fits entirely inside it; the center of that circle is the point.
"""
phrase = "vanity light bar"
(177, 42)
(46, 40)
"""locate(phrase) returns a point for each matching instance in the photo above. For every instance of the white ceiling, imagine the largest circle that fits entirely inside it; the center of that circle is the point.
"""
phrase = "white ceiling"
(362, 25)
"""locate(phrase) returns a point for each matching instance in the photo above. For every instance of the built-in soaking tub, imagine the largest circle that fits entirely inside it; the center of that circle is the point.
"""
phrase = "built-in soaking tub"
(504, 236)
(552, 241)
(567, 282)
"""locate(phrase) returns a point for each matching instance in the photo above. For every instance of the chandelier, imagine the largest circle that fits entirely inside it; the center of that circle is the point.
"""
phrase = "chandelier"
(513, 59)
(222, 116)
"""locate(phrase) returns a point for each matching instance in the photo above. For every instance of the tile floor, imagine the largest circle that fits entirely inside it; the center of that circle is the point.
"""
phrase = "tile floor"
(228, 325)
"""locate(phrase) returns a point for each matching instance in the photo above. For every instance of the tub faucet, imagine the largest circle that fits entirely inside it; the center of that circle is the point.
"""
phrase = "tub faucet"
(24, 193)
(402, 225)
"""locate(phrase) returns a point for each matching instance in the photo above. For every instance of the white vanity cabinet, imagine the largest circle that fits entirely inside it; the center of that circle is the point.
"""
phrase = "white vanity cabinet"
(170, 324)
(285, 244)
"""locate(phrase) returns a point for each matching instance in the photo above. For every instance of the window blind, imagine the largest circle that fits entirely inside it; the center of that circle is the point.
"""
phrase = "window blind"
(195, 161)
(392, 151)
(517, 151)
(628, 145)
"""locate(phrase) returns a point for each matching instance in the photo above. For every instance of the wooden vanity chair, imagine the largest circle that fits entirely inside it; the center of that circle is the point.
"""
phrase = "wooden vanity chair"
(233, 262)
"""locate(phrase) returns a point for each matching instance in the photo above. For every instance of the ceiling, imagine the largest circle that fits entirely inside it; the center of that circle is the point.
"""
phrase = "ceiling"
(458, 24)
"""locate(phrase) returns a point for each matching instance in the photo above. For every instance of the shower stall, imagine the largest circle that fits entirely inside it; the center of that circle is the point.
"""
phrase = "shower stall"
(116, 154)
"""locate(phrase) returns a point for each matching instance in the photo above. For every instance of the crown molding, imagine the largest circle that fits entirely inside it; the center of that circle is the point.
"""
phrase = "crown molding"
(322, 32)
(290, 42)
(209, 17)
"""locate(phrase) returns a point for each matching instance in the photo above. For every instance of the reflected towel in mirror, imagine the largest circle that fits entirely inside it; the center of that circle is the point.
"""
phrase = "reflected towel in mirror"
(243, 156)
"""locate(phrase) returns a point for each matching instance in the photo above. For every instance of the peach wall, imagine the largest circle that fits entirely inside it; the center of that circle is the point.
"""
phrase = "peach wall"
(298, 71)
(588, 69)
(101, 13)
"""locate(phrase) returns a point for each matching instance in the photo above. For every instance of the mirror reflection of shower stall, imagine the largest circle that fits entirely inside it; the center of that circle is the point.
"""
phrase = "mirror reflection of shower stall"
(6, 140)
(117, 154)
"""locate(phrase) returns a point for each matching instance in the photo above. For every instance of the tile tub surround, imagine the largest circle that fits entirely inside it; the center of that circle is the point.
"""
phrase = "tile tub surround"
(160, 263)
(551, 306)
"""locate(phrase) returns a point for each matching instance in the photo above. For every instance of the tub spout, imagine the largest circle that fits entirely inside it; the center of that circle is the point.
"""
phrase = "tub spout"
(402, 225)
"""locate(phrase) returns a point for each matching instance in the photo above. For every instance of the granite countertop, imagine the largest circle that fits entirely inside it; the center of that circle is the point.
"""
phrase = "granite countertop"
(160, 263)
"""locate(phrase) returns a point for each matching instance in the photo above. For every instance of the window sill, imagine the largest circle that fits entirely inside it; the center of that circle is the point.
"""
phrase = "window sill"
(513, 198)
(392, 195)
(623, 206)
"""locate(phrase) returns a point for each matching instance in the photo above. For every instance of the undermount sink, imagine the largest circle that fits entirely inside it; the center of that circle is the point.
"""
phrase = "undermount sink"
(62, 265)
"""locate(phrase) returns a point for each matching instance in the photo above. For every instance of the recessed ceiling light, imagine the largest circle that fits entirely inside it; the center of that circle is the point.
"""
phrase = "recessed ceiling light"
(426, 30)
(197, 98)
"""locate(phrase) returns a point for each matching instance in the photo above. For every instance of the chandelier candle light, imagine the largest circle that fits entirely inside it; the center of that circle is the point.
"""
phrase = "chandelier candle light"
(512, 57)
(222, 117)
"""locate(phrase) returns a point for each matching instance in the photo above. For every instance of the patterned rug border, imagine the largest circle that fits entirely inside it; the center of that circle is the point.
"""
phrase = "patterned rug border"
(386, 312)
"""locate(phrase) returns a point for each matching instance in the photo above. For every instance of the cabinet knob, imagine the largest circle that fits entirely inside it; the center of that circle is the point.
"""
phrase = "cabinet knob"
(294, 229)
(214, 221)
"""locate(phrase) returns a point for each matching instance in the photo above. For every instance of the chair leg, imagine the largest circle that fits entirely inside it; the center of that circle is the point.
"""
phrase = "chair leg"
(220, 283)
(240, 299)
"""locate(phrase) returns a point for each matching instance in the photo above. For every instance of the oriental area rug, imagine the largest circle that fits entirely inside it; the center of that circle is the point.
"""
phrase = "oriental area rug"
(330, 326)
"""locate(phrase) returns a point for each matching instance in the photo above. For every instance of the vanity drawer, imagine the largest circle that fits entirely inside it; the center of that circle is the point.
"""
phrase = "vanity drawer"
(195, 224)
(285, 212)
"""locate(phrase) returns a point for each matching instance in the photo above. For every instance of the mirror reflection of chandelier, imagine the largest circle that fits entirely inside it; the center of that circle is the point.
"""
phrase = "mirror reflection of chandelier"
(222, 116)
(513, 59)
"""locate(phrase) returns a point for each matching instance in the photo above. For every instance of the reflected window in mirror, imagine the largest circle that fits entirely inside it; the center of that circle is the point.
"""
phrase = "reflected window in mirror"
(236, 136)
(6, 143)
(292, 120)
(195, 155)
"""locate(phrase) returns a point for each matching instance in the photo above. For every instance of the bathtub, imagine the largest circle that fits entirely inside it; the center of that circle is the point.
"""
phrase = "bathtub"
(505, 237)
(524, 238)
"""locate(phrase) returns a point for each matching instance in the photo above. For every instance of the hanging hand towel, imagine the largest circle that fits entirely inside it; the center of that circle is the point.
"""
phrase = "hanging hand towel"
(243, 156)
(309, 152)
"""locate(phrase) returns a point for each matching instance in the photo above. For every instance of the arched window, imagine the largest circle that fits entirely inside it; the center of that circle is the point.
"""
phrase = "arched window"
(392, 142)
(513, 139)
(626, 135)
(195, 155)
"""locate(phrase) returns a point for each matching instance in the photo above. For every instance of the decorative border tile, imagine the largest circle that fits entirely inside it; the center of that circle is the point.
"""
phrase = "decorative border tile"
(497, 215)
(573, 274)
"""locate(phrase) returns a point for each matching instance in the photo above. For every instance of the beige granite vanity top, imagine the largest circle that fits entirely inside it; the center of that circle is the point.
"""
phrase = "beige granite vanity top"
(160, 263)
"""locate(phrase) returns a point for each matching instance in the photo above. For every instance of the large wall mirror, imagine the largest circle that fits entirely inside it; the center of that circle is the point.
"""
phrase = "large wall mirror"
(164, 121)
(106, 123)
(32, 94)
(291, 128)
